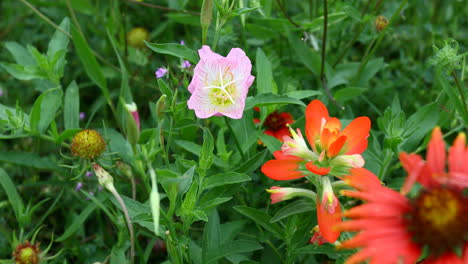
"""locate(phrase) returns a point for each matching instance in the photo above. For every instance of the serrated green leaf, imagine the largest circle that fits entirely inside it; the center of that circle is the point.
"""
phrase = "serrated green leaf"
(225, 178)
(174, 49)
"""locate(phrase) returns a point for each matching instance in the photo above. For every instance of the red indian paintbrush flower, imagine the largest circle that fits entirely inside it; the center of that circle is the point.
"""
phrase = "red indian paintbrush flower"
(334, 151)
(394, 228)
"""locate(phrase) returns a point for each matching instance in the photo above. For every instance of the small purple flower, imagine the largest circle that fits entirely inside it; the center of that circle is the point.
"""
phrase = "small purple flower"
(186, 64)
(82, 115)
(78, 186)
(100, 188)
(182, 42)
(1, 92)
(160, 72)
(91, 194)
(89, 174)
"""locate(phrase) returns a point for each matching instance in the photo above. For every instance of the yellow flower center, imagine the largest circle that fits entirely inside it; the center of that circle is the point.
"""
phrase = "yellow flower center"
(438, 219)
(88, 144)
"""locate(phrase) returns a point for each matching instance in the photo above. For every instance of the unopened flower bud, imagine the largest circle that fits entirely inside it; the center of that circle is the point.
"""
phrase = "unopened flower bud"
(133, 123)
(380, 23)
(104, 178)
(27, 253)
(279, 194)
(161, 106)
(88, 144)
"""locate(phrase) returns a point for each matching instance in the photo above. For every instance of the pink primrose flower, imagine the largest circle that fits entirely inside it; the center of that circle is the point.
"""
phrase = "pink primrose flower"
(220, 84)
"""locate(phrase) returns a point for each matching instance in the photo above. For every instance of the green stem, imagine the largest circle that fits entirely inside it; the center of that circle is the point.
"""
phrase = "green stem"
(460, 91)
(379, 39)
(114, 192)
(235, 138)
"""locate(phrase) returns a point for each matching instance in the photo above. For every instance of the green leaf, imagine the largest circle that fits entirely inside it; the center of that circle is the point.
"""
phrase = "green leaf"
(196, 149)
(272, 143)
(20, 72)
(348, 93)
(118, 144)
(296, 207)
(264, 73)
(267, 99)
(77, 222)
(262, 219)
(211, 234)
(453, 95)
(13, 195)
(29, 159)
(20, 54)
(231, 248)
(177, 50)
(253, 163)
(310, 58)
(303, 94)
(91, 66)
(165, 88)
(71, 108)
(59, 40)
(45, 109)
(419, 124)
(206, 152)
(225, 178)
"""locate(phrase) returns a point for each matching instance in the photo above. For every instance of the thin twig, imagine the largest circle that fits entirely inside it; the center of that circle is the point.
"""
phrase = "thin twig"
(45, 18)
(324, 48)
(164, 8)
(73, 15)
(283, 10)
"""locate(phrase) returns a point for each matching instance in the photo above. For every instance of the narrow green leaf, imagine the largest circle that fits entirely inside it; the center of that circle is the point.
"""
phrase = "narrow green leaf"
(262, 219)
(224, 179)
(91, 66)
(21, 72)
(211, 234)
(77, 222)
(29, 159)
(71, 108)
(206, 152)
(348, 93)
(59, 40)
(272, 143)
(296, 207)
(264, 73)
(231, 248)
(174, 49)
(303, 94)
(12, 194)
(253, 163)
(267, 99)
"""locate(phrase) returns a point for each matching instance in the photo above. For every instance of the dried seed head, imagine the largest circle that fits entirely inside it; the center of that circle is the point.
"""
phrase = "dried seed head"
(27, 253)
(380, 23)
(88, 144)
